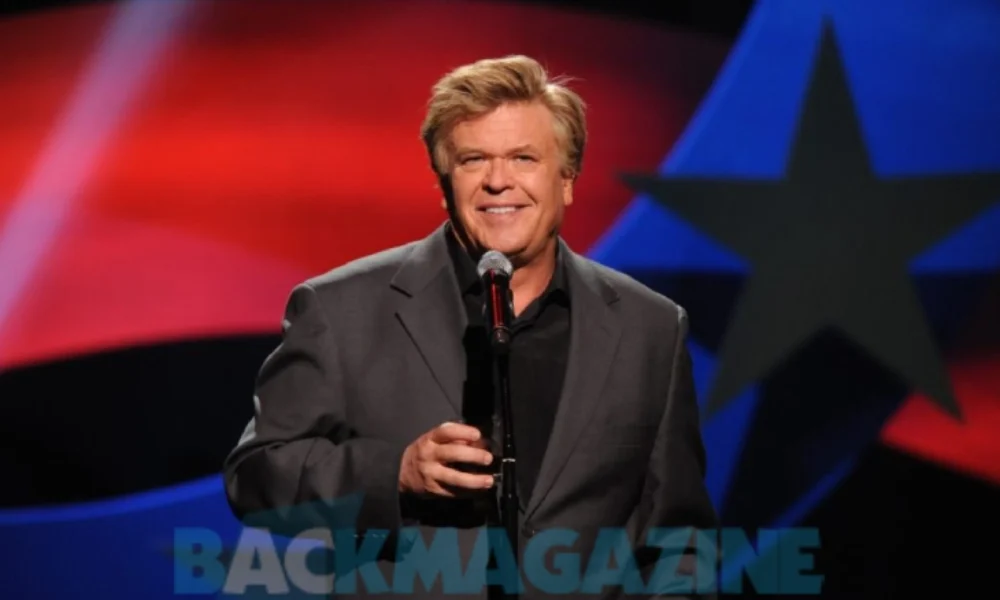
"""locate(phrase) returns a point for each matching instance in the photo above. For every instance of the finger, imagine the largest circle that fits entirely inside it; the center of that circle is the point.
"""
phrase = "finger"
(462, 453)
(449, 432)
(482, 442)
(436, 489)
(446, 476)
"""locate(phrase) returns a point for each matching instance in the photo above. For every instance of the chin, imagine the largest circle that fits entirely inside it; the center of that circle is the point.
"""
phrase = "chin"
(508, 249)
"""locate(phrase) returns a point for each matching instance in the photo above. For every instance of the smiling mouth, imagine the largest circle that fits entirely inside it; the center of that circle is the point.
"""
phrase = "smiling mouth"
(500, 210)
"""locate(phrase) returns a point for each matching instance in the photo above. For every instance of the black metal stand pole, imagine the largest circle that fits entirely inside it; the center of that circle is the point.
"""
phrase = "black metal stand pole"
(509, 505)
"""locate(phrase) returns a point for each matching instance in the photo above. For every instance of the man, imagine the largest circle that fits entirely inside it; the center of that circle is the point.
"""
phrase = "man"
(382, 384)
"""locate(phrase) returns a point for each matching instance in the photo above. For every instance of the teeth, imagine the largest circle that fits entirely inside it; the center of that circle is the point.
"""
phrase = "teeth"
(501, 210)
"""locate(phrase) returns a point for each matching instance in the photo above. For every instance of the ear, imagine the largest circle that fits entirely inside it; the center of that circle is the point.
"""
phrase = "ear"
(567, 191)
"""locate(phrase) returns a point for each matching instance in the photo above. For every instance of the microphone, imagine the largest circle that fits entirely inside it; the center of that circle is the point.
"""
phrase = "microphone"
(495, 271)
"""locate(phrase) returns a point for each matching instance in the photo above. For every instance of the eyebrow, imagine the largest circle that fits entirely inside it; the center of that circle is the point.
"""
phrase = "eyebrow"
(515, 150)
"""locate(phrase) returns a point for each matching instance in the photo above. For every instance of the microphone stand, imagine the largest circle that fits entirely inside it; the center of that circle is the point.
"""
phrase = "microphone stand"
(500, 307)
(509, 505)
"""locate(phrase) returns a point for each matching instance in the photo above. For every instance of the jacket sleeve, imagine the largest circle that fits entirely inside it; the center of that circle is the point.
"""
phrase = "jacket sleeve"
(675, 508)
(298, 465)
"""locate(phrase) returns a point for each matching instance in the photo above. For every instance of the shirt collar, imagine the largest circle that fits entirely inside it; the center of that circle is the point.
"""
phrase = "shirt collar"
(468, 277)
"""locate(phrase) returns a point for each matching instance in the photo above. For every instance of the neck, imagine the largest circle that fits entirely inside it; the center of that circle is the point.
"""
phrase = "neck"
(530, 280)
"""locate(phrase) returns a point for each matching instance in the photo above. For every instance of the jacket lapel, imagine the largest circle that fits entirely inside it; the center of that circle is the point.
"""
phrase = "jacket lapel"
(594, 335)
(432, 312)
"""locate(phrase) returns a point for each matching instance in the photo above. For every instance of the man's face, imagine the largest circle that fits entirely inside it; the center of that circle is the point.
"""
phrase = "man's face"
(508, 191)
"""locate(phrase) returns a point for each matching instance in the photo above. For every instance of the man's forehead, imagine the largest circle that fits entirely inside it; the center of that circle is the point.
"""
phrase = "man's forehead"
(506, 131)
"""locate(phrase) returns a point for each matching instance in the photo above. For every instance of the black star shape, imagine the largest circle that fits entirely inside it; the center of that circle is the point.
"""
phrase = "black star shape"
(829, 245)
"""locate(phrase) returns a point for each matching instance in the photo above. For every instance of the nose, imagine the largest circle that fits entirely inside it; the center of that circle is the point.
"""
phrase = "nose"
(497, 178)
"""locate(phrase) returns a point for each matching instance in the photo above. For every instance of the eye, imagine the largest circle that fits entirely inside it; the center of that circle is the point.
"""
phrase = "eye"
(524, 158)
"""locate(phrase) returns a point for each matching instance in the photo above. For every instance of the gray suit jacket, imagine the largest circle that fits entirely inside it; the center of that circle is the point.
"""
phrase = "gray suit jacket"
(372, 357)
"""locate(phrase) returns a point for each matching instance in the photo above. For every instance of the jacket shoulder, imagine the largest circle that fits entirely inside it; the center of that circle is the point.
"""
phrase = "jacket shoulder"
(365, 271)
(637, 296)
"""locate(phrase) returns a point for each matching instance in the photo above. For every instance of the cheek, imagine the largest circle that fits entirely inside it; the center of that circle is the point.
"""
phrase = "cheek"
(463, 192)
(548, 194)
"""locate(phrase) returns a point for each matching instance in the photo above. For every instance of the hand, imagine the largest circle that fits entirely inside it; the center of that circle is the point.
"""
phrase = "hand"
(425, 466)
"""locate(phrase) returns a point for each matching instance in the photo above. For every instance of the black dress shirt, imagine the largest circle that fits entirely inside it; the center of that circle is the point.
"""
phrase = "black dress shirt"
(537, 366)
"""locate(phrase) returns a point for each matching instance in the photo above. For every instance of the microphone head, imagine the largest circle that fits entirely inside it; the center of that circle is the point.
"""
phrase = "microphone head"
(495, 261)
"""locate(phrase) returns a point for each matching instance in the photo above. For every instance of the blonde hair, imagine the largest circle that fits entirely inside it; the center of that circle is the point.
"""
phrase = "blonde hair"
(480, 87)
